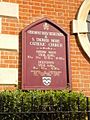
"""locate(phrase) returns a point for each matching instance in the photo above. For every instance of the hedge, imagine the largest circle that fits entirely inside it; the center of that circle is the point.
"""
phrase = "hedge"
(19, 101)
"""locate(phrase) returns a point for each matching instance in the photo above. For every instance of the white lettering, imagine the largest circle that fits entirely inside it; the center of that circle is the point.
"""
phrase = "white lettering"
(55, 45)
(44, 33)
(55, 40)
(42, 40)
(46, 62)
(41, 51)
(37, 44)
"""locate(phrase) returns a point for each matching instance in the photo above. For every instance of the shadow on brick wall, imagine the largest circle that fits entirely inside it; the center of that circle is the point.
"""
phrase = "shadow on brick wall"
(20, 62)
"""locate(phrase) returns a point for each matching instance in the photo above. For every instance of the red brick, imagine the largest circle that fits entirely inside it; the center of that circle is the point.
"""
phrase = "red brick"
(60, 11)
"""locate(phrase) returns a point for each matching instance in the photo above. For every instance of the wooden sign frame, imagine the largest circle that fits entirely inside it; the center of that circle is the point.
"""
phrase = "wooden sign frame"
(56, 40)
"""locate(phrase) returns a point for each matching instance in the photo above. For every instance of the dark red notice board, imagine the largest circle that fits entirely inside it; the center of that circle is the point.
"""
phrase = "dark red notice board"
(45, 61)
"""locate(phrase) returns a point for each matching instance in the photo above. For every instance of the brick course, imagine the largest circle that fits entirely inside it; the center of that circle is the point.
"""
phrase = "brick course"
(60, 11)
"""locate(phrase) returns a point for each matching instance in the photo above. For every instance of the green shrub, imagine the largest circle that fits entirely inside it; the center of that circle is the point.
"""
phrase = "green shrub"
(18, 101)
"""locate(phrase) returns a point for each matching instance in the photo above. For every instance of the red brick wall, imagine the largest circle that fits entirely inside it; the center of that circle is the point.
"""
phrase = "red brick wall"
(9, 59)
(60, 11)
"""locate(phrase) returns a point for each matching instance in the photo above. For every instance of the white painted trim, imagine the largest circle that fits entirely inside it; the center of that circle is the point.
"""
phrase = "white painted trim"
(9, 9)
(10, 42)
(85, 43)
(83, 11)
(81, 28)
(0, 24)
(9, 76)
